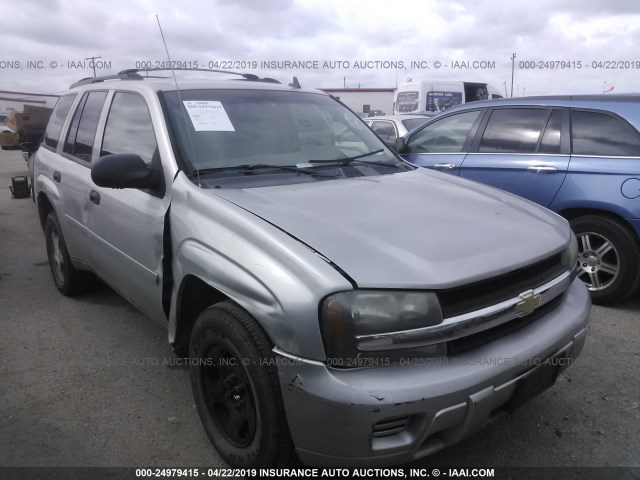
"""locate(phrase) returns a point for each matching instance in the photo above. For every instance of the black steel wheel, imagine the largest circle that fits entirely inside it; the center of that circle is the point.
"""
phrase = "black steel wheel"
(235, 385)
(229, 393)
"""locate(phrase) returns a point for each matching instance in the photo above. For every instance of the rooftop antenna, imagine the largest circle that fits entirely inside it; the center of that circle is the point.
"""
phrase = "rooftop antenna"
(295, 83)
(193, 151)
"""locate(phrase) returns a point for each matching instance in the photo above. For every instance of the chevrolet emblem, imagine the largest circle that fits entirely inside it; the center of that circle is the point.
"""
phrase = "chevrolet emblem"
(529, 303)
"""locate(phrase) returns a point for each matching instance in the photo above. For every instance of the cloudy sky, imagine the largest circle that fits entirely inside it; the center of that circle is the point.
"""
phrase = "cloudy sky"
(573, 46)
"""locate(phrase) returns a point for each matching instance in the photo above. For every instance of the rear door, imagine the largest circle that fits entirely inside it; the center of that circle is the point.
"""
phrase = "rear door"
(72, 171)
(523, 150)
(605, 164)
(443, 143)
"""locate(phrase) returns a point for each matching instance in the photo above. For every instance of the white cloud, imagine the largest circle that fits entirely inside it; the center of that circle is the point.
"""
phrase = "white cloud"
(124, 32)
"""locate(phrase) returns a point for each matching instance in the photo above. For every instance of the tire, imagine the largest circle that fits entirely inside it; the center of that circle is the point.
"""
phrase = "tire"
(67, 279)
(236, 389)
(609, 257)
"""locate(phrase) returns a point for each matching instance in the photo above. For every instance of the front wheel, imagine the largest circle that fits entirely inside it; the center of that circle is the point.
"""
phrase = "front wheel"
(236, 389)
(609, 258)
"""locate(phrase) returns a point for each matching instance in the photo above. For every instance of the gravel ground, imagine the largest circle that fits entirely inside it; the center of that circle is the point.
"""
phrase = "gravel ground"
(89, 381)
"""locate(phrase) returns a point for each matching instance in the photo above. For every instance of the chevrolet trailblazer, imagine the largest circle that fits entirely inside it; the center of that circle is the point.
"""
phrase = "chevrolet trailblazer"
(337, 304)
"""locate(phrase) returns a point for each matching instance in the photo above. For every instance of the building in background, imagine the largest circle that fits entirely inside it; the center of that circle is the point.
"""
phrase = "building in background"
(24, 117)
(15, 101)
(365, 100)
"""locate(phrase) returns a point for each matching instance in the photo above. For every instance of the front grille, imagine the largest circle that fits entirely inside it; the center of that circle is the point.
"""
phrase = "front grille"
(464, 344)
(468, 298)
(391, 426)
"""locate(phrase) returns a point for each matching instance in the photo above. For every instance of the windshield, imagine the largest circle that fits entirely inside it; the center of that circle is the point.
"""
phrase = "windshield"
(255, 132)
(407, 102)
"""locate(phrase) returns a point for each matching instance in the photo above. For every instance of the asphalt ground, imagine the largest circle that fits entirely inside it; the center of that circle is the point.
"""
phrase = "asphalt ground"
(90, 382)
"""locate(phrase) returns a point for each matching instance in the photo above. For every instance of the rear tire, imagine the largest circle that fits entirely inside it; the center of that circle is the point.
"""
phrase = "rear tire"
(67, 278)
(236, 389)
(609, 257)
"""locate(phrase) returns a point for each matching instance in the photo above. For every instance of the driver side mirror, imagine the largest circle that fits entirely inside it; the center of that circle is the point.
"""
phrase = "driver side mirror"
(123, 171)
(28, 148)
(401, 145)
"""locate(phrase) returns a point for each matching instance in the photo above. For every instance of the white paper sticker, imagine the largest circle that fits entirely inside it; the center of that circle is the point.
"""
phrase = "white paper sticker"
(208, 116)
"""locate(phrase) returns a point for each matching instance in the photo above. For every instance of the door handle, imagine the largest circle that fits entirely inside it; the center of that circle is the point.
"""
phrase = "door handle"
(543, 169)
(94, 197)
(57, 177)
(445, 166)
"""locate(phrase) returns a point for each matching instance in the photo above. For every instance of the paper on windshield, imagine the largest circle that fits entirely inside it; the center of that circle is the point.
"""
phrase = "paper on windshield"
(208, 116)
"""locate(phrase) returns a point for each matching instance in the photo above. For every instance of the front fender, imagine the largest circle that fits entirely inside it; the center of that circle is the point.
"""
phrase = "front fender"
(276, 278)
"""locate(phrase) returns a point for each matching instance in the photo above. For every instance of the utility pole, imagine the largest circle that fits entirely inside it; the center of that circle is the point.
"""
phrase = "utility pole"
(93, 64)
(513, 66)
(505, 89)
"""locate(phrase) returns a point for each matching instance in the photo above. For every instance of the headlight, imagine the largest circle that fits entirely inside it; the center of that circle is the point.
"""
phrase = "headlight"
(345, 315)
(570, 254)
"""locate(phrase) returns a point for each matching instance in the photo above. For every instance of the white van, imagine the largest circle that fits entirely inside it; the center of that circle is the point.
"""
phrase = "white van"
(420, 96)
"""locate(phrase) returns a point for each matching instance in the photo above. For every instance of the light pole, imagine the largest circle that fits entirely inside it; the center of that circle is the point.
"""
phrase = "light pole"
(513, 66)
(93, 64)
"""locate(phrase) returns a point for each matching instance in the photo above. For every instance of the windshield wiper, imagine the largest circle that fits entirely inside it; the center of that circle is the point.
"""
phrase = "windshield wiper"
(260, 166)
(357, 158)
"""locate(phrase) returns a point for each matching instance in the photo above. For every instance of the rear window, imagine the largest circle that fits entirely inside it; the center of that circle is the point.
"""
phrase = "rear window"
(56, 122)
(514, 130)
(82, 133)
(600, 134)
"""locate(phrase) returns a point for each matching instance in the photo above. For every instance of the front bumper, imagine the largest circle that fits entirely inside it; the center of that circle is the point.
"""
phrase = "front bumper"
(383, 416)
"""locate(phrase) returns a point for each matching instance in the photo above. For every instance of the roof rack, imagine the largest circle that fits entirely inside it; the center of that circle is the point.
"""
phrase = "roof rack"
(124, 75)
(246, 76)
(134, 74)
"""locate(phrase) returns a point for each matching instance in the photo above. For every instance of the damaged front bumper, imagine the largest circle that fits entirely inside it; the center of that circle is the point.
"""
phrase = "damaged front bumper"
(389, 415)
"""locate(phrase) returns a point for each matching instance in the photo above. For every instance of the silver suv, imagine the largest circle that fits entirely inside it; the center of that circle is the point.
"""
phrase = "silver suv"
(335, 303)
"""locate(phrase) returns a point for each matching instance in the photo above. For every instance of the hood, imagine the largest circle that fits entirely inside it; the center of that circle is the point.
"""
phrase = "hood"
(417, 229)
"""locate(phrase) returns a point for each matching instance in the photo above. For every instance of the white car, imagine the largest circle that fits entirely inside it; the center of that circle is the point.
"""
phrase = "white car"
(391, 127)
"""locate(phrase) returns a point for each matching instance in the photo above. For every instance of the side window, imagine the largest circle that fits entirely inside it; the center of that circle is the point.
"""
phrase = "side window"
(82, 131)
(56, 122)
(551, 138)
(444, 136)
(385, 130)
(513, 130)
(129, 128)
(494, 96)
(600, 134)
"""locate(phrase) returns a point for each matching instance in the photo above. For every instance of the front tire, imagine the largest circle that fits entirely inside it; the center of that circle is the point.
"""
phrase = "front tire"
(609, 258)
(236, 389)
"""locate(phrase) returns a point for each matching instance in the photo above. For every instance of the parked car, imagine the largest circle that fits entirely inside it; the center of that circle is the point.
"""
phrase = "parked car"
(391, 127)
(8, 138)
(333, 301)
(578, 156)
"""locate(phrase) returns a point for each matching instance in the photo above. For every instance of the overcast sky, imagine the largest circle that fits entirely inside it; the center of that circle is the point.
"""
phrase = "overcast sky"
(42, 43)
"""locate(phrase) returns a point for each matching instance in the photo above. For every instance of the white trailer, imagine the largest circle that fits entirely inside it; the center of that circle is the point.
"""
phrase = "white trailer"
(419, 96)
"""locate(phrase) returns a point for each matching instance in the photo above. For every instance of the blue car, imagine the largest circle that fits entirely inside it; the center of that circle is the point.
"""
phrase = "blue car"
(576, 155)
